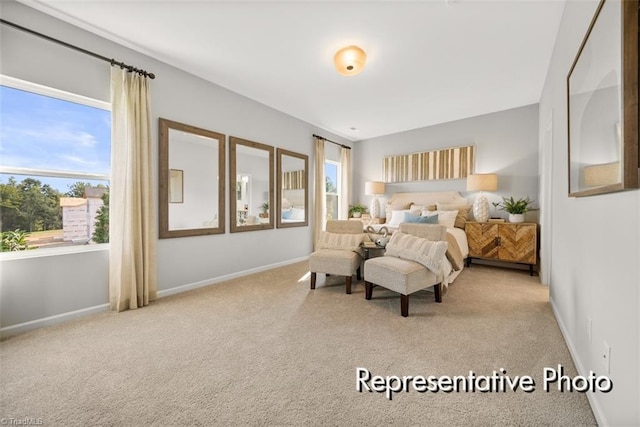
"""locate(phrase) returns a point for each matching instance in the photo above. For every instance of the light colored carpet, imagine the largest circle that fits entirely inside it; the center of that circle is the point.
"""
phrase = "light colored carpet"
(265, 350)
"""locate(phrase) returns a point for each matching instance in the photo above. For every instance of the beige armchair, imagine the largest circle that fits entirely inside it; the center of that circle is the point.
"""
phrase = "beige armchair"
(338, 251)
(403, 269)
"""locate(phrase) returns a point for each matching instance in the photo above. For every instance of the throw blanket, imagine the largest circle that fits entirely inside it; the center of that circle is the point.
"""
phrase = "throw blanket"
(426, 252)
(454, 254)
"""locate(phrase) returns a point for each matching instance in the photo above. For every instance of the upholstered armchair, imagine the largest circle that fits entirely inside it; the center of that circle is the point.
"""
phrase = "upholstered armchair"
(338, 251)
(414, 260)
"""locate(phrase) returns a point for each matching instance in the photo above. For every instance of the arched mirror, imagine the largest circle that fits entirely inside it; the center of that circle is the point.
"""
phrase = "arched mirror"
(250, 185)
(292, 189)
(602, 98)
(192, 180)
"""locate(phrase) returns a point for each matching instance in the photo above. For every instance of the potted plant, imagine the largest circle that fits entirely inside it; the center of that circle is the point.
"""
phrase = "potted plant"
(356, 211)
(265, 210)
(516, 208)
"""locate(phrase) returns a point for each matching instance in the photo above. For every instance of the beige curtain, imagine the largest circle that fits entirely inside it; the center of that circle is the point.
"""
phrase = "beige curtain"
(320, 199)
(132, 258)
(345, 185)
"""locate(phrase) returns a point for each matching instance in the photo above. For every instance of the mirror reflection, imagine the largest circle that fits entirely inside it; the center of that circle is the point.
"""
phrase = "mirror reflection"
(191, 180)
(595, 90)
(293, 195)
(251, 185)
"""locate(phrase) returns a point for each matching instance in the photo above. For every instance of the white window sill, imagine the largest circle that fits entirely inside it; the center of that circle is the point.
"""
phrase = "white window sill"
(47, 252)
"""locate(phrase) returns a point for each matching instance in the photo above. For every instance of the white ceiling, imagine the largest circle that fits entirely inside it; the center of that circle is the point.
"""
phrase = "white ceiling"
(428, 62)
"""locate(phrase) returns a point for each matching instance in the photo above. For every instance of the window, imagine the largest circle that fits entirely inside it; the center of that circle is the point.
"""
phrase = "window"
(55, 158)
(332, 177)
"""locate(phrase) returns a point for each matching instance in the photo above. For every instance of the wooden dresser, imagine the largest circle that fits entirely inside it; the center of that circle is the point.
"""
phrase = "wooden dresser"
(503, 241)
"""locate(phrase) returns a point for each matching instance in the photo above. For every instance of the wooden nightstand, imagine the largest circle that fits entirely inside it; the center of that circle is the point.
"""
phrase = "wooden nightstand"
(503, 241)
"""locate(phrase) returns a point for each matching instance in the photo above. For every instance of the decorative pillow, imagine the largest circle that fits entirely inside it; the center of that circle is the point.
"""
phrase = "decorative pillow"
(463, 212)
(446, 218)
(397, 217)
(431, 219)
(426, 212)
(297, 213)
(426, 252)
(286, 213)
(394, 207)
(416, 209)
(347, 242)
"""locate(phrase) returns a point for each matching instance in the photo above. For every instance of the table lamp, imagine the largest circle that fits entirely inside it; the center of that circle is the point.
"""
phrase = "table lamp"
(481, 183)
(374, 188)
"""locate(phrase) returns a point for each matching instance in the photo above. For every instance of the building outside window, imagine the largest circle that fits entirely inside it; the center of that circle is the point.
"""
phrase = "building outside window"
(332, 177)
(55, 159)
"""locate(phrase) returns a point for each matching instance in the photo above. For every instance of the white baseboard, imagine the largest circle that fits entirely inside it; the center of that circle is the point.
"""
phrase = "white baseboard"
(60, 318)
(595, 406)
(51, 320)
(213, 281)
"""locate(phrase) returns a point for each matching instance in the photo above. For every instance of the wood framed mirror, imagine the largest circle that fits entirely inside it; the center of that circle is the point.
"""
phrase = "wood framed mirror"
(602, 103)
(250, 185)
(292, 191)
(192, 180)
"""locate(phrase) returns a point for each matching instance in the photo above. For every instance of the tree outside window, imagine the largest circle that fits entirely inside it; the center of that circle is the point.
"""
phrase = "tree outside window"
(332, 177)
(54, 169)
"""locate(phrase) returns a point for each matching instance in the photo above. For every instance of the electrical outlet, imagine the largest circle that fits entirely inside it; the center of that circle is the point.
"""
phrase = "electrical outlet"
(589, 330)
(606, 358)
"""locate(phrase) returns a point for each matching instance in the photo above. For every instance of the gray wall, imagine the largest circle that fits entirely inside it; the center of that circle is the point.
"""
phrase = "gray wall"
(506, 143)
(594, 269)
(183, 263)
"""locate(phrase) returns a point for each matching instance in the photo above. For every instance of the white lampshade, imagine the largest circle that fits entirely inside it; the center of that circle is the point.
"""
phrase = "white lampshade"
(350, 60)
(374, 188)
(482, 182)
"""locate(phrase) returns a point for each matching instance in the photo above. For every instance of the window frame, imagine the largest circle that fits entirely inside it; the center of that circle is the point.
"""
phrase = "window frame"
(338, 192)
(62, 95)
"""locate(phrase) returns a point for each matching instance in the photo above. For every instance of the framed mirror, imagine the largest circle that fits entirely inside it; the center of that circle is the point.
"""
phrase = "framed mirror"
(250, 185)
(292, 192)
(192, 180)
(602, 100)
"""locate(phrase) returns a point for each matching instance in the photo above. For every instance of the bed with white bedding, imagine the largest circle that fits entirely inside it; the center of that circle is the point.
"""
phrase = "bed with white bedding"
(452, 210)
(293, 206)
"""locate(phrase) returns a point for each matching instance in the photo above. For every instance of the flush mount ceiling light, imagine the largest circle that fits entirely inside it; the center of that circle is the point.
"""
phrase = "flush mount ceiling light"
(350, 60)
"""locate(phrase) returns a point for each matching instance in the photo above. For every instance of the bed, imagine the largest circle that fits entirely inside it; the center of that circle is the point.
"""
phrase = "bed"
(452, 209)
(293, 206)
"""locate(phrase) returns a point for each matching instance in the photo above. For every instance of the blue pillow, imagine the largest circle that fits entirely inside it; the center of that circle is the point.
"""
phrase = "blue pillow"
(433, 219)
(286, 214)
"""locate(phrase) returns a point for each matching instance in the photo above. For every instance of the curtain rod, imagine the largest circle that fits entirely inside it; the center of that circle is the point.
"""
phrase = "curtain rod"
(79, 49)
(333, 142)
